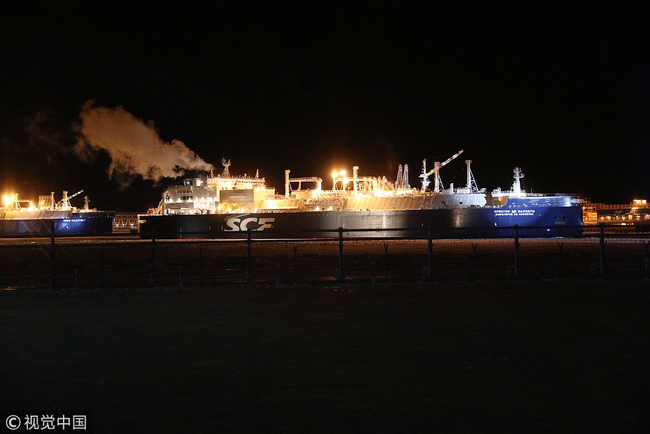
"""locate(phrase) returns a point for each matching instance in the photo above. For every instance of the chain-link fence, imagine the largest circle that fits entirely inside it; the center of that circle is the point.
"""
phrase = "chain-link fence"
(423, 255)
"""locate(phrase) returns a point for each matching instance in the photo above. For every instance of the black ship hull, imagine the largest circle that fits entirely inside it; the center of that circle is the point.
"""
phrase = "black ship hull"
(546, 221)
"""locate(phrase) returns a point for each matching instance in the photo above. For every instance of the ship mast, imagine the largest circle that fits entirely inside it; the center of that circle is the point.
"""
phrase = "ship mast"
(437, 180)
(516, 185)
(424, 176)
(472, 187)
(400, 176)
(355, 179)
(225, 164)
(65, 201)
(287, 184)
(402, 180)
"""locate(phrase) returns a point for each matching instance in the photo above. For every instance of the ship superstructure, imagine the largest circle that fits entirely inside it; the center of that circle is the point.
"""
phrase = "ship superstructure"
(212, 194)
(225, 193)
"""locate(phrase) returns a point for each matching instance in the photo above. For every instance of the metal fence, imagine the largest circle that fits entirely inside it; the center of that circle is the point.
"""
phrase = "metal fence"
(422, 255)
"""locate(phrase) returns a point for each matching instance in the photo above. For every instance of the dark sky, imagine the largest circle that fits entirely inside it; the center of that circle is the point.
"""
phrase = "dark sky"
(561, 89)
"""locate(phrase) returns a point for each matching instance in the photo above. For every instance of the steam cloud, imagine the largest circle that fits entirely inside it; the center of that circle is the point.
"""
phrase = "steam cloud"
(133, 145)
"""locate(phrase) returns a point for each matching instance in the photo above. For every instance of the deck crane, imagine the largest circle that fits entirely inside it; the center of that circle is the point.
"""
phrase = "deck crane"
(65, 201)
(436, 172)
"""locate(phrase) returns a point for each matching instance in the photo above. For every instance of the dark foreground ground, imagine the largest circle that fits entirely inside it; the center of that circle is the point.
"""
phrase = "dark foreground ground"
(479, 357)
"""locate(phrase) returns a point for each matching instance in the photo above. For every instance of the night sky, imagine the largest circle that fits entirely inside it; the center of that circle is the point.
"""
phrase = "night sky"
(561, 89)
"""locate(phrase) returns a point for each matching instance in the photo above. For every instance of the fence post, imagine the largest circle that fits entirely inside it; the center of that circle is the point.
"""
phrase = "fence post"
(200, 265)
(558, 269)
(474, 258)
(386, 262)
(216, 266)
(602, 250)
(645, 266)
(248, 279)
(52, 257)
(153, 258)
(341, 276)
(430, 255)
(102, 269)
(516, 251)
(295, 264)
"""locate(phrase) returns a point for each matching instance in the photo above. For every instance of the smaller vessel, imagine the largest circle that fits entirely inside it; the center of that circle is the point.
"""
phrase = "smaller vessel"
(21, 218)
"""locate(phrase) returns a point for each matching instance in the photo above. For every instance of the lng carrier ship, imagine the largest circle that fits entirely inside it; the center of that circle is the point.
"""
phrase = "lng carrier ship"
(21, 218)
(226, 206)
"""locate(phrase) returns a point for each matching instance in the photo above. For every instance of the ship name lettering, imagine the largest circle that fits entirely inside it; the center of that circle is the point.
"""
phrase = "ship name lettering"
(513, 212)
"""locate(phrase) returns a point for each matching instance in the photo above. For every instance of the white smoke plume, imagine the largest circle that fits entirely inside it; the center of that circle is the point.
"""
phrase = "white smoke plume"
(133, 145)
